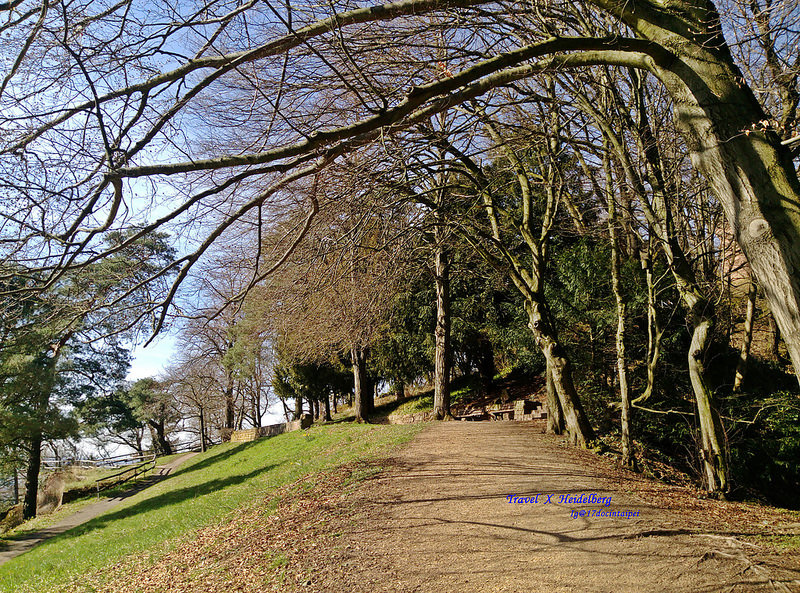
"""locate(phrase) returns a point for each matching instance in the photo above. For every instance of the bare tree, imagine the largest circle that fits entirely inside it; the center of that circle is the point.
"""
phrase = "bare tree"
(339, 84)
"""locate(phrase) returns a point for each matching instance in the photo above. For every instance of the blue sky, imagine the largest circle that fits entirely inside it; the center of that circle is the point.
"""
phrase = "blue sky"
(151, 361)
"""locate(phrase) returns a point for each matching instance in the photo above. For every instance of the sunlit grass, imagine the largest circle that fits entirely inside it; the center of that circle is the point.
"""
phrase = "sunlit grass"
(200, 492)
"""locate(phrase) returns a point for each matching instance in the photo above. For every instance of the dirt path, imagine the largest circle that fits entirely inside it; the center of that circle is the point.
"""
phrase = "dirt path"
(440, 521)
(29, 540)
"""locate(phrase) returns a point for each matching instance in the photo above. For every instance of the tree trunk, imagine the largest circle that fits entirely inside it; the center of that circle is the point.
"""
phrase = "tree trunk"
(202, 430)
(255, 410)
(700, 317)
(363, 402)
(16, 486)
(555, 418)
(577, 424)
(750, 172)
(230, 411)
(298, 407)
(622, 363)
(399, 390)
(41, 401)
(32, 476)
(654, 331)
(328, 407)
(747, 339)
(287, 416)
(714, 462)
(441, 391)
(775, 344)
(160, 441)
(334, 396)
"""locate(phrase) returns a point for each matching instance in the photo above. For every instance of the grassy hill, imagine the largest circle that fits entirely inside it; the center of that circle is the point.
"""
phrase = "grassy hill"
(205, 490)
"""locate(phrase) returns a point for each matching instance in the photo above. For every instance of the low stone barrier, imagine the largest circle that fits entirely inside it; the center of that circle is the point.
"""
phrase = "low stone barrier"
(251, 434)
(412, 418)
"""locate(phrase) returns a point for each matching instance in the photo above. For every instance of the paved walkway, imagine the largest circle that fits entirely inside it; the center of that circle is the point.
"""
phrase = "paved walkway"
(27, 541)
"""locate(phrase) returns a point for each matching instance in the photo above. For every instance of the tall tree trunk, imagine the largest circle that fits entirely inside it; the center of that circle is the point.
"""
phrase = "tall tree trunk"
(41, 401)
(255, 411)
(654, 330)
(202, 430)
(16, 485)
(619, 297)
(577, 424)
(230, 411)
(713, 453)
(363, 402)
(334, 395)
(555, 418)
(298, 407)
(441, 391)
(700, 317)
(160, 441)
(328, 407)
(750, 171)
(699, 309)
(747, 339)
(32, 476)
(775, 343)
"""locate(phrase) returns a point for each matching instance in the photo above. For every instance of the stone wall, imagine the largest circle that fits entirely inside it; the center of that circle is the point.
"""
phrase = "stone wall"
(411, 418)
(251, 434)
(523, 411)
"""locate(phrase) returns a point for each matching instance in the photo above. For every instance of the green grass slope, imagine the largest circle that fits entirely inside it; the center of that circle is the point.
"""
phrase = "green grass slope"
(202, 491)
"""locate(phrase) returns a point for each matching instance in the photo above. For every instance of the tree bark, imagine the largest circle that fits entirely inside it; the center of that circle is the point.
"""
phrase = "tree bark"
(712, 451)
(555, 418)
(139, 436)
(230, 411)
(441, 391)
(619, 297)
(160, 441)
(328, 407)
(363, 402)
(32, 476)
(775, 343)
(202, 430)
(298, 407)
(750, 172)
(654, 331)
(747, 339)
(699, 309)
(560, 369)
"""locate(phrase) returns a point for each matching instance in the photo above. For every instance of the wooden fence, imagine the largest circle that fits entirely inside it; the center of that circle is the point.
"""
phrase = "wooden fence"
(125, 475)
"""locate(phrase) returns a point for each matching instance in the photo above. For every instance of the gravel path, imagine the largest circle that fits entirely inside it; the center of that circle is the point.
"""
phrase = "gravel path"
(87, 513)
(441, 521)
